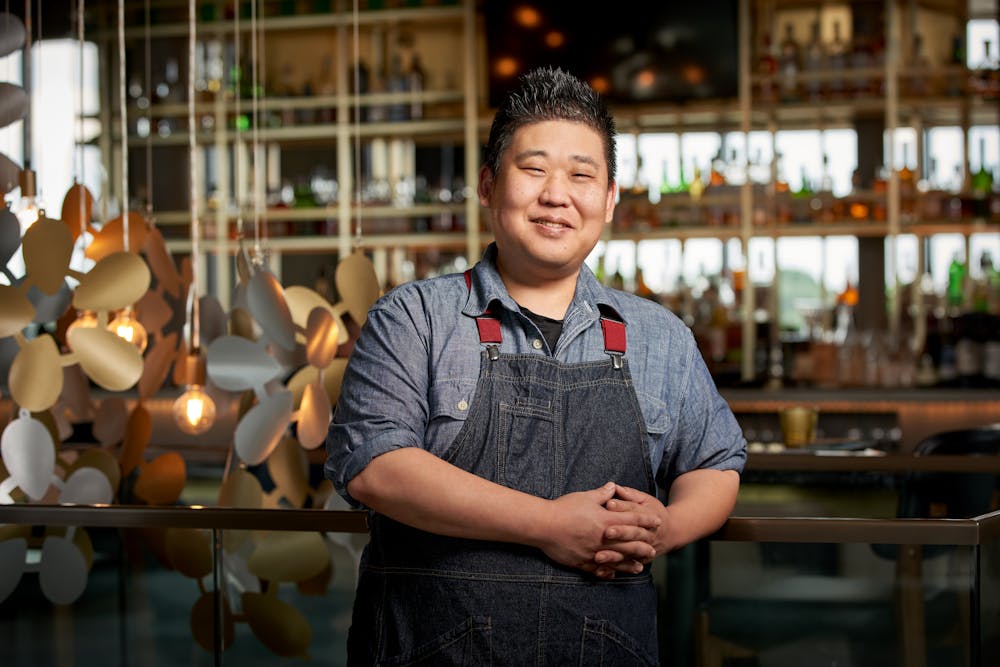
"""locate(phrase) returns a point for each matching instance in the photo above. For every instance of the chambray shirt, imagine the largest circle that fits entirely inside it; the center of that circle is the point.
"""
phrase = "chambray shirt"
(411, 378)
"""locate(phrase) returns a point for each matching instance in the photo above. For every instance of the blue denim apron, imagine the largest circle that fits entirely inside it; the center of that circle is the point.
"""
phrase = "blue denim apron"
(545, 428)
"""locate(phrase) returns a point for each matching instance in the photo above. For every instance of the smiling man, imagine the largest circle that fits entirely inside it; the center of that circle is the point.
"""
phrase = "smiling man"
(512, 430)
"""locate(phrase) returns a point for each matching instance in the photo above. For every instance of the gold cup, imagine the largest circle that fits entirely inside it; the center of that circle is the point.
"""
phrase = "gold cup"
(798, 425)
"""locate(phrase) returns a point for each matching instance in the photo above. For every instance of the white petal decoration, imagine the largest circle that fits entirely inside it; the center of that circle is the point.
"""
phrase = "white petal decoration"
(261, 428)
(269, 309)
(12, 555)
(315, 415)
(234, 363)
(63, 574)
(87, 486)
(29, 455)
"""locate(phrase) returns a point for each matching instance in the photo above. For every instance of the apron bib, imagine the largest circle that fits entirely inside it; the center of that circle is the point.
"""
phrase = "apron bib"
(545, 428)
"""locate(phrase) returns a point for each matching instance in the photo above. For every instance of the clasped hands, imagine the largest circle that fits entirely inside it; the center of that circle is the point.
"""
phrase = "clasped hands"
(606, 530)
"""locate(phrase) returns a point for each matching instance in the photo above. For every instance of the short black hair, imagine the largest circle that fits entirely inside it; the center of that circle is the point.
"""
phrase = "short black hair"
(550, 93)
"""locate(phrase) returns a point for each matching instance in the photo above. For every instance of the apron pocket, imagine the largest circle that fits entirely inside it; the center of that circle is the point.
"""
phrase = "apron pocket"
(468, 644)
(606, 644)
(526, 451)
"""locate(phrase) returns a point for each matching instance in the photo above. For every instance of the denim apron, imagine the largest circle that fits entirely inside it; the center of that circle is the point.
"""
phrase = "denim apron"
(544, 428)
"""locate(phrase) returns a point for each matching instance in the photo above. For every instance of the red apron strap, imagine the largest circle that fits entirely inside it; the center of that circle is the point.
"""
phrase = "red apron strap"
(614, 336)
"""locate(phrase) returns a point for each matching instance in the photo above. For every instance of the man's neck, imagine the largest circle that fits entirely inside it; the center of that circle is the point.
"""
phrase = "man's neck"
(548, 297)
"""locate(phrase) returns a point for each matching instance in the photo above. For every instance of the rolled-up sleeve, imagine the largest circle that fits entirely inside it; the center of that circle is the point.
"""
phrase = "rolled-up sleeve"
(383, 398)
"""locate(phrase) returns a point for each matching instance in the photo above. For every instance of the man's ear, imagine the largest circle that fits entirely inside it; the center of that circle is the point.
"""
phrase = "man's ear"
(609, 204)
(485, 188)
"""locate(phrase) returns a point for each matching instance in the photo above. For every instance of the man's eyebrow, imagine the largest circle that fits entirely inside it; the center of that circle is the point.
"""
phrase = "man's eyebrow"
(538, 152)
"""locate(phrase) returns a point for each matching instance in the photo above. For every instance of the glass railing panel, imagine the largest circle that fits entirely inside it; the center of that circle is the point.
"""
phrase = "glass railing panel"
(989, 591)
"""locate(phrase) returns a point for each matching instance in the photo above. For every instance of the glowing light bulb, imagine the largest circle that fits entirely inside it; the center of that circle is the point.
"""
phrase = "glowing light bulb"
(85, 319)
(194, 410)
(29, 209)
(126, 326)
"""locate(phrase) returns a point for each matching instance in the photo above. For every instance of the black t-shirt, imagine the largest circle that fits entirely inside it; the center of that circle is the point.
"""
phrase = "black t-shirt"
(551, 329)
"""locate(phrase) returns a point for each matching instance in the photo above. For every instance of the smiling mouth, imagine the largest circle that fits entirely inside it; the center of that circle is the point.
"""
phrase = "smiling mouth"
(550, 224)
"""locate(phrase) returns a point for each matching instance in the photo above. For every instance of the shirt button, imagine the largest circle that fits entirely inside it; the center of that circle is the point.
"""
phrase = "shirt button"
(537, 344)
(463, 405)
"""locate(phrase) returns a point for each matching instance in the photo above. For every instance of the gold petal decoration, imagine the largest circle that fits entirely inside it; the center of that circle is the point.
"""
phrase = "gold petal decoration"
(241, 324)
(29, 454)
(189, 551)
(278, 625)
(319, 584)
(136, 438)
(161, 481)
(322, 337)
(266, 299)
(261, 428)
(16, 311)
(203, 622)
(107, 359)
(47, 246)
(35, 379)
(302, 301)
(109, 240)
(118, 280)
(109, 422)
(357, 284)
(288, 556)
(240, 489)
(77, 208)
(161, 263)
(333, 378)
(315, 415)
(101, 460)
(156, 365)
(287, 466)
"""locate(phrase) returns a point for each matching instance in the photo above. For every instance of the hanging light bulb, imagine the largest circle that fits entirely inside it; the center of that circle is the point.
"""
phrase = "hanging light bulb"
(194, 410)
(29, 209)
(125, 325)
(85, 319)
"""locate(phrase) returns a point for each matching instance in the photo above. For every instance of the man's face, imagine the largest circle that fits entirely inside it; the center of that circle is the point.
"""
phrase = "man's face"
(550, 200)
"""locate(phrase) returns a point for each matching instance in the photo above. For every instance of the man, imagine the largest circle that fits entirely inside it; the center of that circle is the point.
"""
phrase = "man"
(508, 428)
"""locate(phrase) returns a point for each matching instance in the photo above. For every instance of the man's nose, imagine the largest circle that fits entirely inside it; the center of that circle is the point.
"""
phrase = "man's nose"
(555, 191)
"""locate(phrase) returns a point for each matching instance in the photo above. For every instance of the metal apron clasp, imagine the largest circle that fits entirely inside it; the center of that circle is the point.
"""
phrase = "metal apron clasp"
(493, 351)
(616, 360)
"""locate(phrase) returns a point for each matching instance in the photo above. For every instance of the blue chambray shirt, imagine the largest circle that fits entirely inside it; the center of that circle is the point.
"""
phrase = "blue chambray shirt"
(411, 378)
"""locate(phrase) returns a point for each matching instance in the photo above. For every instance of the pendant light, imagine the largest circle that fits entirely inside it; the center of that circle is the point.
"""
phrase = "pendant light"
(194, 410)
(125, 324)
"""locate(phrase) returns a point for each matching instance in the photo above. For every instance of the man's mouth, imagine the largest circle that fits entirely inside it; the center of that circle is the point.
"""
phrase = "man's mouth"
(550, 224)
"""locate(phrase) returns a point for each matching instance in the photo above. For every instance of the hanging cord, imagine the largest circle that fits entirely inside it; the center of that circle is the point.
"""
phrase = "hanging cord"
(26, 69)
(147, 37)
(255, 141)
(123, 119)
(80, 164)
(237, 145)
(195, 225)
(357, 125)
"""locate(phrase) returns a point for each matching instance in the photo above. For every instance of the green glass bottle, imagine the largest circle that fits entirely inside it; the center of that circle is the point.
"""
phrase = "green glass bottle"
(956, 283)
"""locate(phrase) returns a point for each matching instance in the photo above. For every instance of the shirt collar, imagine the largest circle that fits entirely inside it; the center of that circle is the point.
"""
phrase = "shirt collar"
(590, 299)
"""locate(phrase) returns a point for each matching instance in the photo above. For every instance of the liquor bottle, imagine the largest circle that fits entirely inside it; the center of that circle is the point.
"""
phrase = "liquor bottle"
(789, 64)
(837, 60)
(767, 67)
(956, 284)
(813, 61)
(957, 58)
(397, 82)
(982, 185)
(917, 81)
(416, 78)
